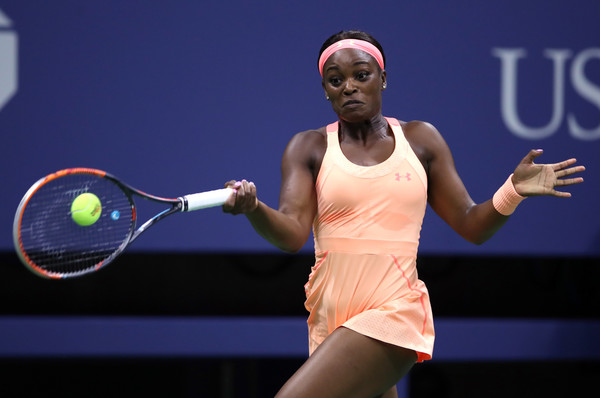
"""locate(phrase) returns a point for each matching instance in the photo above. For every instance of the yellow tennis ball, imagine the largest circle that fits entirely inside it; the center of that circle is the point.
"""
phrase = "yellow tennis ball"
(86, 209)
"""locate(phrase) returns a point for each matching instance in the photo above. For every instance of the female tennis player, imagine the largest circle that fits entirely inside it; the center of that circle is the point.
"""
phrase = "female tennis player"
(362, 185)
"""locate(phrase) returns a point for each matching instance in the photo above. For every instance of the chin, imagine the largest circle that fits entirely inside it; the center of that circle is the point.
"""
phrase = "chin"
(356, 117)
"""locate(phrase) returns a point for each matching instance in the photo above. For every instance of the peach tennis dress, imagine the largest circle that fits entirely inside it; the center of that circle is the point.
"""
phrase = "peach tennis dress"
(366, 234)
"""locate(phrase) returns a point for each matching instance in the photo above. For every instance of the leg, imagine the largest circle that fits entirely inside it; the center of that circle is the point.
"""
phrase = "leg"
(349, 365)
(393, 393)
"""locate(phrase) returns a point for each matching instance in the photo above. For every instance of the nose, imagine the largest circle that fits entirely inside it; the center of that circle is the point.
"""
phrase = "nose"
(349, 87)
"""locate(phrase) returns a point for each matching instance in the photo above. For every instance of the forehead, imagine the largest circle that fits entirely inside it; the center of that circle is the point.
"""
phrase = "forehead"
(349, 56)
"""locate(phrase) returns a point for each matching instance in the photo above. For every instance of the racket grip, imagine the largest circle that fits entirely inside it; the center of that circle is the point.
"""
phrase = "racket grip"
(202, 200)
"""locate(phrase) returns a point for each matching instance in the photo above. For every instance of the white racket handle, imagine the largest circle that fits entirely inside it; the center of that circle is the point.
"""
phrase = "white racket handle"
(202, 200)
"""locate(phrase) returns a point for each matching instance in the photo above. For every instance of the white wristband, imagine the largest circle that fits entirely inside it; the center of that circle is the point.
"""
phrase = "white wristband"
(506, 199)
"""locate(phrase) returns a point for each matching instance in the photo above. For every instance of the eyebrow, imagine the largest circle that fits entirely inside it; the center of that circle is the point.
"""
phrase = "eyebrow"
(332, 67)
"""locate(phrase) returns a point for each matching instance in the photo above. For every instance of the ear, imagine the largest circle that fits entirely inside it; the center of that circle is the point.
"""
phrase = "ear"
(383, 79)
(323, 85)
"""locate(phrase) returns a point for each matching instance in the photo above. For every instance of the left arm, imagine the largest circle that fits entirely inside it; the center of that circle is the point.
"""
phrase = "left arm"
(449, 198)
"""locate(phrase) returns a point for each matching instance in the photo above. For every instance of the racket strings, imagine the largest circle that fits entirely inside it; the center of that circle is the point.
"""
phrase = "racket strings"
(52, 241)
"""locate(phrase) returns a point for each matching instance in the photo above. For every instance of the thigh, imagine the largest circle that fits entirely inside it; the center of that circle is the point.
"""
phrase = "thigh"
(348, 364)
(391, 393)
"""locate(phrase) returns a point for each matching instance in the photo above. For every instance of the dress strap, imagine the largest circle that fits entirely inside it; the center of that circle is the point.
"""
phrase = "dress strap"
(332, 128)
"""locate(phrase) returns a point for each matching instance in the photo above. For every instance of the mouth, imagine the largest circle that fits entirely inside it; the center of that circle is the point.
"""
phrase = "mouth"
(352, 103)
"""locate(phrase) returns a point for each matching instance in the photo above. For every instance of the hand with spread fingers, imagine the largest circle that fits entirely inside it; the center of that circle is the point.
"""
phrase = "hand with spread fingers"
(531, 179)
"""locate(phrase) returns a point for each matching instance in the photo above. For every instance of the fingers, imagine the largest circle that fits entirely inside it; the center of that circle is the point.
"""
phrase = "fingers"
(230, 184)
(533, 179)
(530, 157)
(570, 171)
(568, 181)
(230, 202)
(564, 164)
(560, 194)
(243, 200)
(563, 171)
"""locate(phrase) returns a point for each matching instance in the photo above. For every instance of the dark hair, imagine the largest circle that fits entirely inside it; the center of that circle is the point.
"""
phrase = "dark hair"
(351, 34)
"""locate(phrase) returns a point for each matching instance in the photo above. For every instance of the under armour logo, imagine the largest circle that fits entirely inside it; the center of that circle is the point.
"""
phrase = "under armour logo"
(398, 176)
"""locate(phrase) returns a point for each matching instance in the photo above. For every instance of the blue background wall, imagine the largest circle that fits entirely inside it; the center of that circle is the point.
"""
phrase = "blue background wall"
(181, 96)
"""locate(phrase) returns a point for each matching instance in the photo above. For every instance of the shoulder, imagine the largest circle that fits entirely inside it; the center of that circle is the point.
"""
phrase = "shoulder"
(425, 140)
(315, 136)
(307, 148)
(306, 142)
(419, 131)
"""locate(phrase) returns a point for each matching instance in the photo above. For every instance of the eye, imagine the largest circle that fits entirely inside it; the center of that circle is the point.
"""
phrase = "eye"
(363, 75)
(335, 81)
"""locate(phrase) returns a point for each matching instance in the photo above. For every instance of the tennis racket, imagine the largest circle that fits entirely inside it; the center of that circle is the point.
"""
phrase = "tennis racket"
(51, 244)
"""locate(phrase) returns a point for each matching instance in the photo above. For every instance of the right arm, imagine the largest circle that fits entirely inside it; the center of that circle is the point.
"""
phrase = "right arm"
(288, 227)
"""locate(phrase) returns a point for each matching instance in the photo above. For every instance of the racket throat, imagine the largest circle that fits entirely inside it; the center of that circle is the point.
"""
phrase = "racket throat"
(175, 209)
(184, 204)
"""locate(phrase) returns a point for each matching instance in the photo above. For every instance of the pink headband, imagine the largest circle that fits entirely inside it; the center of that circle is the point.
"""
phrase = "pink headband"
(350, 43)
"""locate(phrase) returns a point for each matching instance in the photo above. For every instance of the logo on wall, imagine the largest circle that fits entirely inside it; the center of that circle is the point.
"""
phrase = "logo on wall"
(585, 88)
(8, 60)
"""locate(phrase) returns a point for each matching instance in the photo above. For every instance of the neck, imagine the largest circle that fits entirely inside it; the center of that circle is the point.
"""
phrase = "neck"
(375, 127)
